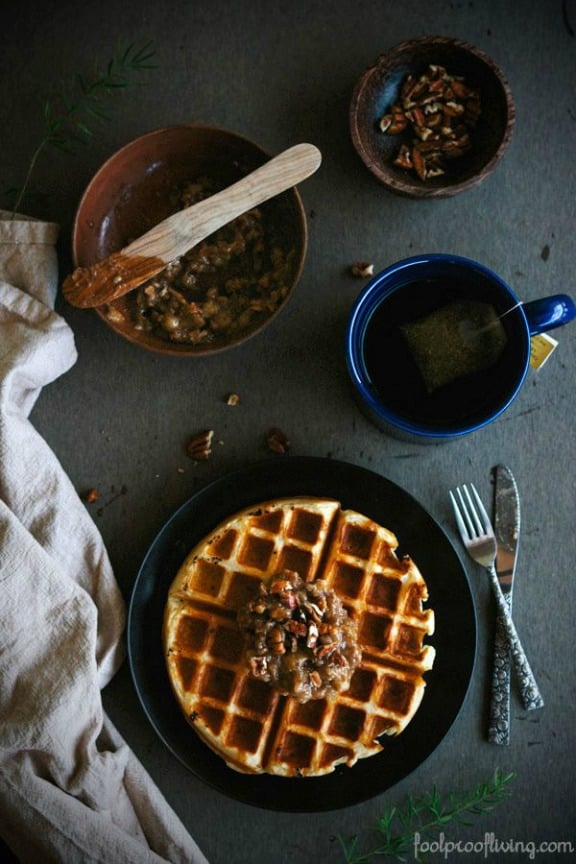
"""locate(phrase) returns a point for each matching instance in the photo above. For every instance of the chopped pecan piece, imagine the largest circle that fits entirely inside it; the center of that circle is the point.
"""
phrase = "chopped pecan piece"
(394, 123)
(315, 679)
(114, 315)
(362, 269)
(199, 447)
(419, 162)
(404, 158)
(277, 441)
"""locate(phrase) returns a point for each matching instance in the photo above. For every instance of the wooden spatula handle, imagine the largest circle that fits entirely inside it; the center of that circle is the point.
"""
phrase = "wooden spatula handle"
(145, 257)
(183, 230)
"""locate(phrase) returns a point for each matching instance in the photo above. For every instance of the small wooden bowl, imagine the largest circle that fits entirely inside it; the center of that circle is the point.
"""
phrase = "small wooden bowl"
(379, 88)
(134, 190)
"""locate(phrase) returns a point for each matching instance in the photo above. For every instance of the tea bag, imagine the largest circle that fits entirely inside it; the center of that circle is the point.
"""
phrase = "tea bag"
(456, 340)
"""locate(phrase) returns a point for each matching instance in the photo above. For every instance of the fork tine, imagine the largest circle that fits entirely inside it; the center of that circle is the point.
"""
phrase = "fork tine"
(486, 524)
(465, 510)
(471, 514)
(468, 511)
(462, 527)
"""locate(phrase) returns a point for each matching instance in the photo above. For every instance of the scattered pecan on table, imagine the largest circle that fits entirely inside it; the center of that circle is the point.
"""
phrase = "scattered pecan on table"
(363, 269)
(277, 441)
(199, 447)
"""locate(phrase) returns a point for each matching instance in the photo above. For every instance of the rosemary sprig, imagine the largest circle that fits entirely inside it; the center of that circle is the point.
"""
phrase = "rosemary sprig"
(425, 813)
(69, 112)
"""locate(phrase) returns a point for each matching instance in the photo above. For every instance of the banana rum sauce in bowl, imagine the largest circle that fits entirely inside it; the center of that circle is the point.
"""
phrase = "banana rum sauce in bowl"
(438, 346)
(224, 290)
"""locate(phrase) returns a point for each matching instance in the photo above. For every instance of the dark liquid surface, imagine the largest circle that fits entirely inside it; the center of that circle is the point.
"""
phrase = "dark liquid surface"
(395, 376)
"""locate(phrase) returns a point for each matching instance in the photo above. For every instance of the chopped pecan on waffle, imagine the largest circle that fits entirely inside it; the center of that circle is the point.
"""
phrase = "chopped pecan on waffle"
(251, 725)
(299, 637)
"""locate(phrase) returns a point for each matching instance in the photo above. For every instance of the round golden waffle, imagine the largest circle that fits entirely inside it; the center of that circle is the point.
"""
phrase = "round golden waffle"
(247, 722)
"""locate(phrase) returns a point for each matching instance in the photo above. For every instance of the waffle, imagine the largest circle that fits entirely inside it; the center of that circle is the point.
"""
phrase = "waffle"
(246, 721)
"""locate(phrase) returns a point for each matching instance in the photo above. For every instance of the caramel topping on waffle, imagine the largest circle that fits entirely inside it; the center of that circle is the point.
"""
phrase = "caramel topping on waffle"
(245, 720)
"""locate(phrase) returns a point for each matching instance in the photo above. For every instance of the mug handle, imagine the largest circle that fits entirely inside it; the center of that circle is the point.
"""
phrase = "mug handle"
(549, 312)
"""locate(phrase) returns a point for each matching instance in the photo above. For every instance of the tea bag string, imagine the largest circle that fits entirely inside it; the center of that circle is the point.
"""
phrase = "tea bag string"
(467, 329)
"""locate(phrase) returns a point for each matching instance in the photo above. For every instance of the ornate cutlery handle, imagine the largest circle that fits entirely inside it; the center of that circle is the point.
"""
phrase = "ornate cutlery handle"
(528, 688)
(499, 719)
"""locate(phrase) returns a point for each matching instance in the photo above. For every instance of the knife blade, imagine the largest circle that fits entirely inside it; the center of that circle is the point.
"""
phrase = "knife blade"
(507, 530)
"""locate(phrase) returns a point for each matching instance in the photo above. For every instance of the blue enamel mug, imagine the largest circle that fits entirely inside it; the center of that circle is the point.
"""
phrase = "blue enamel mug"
(438, 346)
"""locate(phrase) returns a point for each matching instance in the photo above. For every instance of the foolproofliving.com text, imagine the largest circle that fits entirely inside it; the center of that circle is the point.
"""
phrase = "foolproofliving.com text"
(490, 846)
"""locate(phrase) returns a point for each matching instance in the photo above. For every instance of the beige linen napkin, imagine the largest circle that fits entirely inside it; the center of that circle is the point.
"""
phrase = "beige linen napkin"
(71, 790)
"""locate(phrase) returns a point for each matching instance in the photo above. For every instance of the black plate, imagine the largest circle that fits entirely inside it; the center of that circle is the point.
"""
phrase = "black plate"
(419, 535)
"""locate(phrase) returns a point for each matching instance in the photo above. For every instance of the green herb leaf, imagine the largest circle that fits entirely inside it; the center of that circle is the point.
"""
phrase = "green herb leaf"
(425, 813)
(67, 113)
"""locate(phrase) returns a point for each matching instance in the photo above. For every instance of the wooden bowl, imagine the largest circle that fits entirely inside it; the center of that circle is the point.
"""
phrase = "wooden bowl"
(379, 88)
(134, 190)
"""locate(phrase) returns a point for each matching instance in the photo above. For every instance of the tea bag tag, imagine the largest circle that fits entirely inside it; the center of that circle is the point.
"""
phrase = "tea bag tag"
(541, 347)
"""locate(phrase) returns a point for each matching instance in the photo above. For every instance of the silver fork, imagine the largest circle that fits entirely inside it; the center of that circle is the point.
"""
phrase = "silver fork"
(478, 537)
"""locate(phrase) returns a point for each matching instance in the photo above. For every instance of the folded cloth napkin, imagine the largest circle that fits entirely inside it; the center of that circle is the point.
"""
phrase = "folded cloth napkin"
(71, 790)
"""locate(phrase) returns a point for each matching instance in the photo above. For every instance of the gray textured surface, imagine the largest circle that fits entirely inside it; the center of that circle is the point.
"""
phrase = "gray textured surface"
(282, 73)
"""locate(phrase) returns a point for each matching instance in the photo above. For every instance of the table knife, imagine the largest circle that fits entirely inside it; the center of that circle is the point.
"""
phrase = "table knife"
(507, 530)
